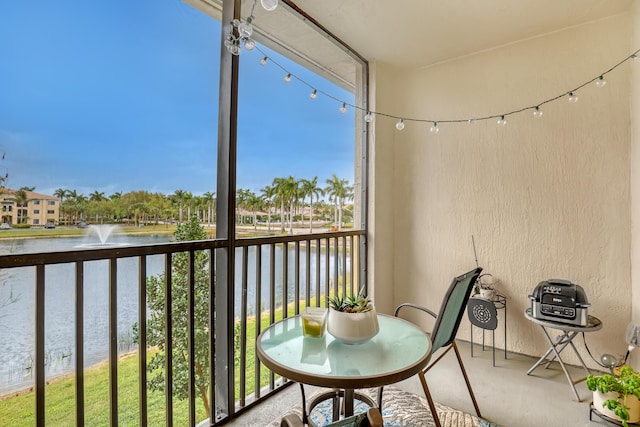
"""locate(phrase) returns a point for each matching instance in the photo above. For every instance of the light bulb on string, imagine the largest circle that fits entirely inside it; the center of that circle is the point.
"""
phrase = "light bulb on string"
(314, 94)
(245, 29)
(263, 61)
(368, 117)
(287, 78)
(434, 128)
(537, 113)
(601, 82)
(400, 125)
(573, 98)
(343, 109)
(471, 121)
(269, 5)
(249, 44)
(635, 57)
(501, 121)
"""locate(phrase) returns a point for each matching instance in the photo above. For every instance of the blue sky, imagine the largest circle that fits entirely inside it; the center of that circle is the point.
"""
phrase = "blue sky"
(122, 95)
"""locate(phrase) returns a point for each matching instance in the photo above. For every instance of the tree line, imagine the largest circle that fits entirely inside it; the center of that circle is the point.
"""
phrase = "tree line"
(285, 201)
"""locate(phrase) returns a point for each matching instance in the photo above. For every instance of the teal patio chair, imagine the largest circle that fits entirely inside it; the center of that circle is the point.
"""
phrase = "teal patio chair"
(445, 330)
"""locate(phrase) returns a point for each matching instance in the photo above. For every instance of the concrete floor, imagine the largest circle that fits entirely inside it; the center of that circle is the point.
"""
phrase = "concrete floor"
(505, 393)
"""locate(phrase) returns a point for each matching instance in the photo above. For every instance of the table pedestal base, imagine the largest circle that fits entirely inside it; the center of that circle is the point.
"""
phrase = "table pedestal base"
(342, 403)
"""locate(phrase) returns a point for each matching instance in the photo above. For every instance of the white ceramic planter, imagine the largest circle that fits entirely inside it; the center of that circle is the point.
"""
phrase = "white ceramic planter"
(632, 402)
(489, 294)
(353, 328)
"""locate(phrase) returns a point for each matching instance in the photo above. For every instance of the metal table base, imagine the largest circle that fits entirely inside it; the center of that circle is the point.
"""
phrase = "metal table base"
(564, 340)
(342, 403)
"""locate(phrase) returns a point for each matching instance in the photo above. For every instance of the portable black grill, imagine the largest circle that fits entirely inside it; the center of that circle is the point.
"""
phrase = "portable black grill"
(561, 301)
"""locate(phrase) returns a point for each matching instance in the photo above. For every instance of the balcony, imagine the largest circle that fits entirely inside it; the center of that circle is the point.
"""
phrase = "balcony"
(271, 278)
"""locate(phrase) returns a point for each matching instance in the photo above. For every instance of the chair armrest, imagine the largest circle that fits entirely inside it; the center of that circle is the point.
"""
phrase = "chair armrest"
(291, 420)
(375, 418)
(417, 307)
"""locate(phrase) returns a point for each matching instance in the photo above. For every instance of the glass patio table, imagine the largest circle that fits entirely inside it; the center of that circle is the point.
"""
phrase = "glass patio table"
(397, 352)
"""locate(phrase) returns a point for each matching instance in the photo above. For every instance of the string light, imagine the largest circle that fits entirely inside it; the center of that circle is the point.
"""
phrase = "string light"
(314, 94)
(501, 118)
(573, 98)
(537, 113)
(269, 5)
(244, 30)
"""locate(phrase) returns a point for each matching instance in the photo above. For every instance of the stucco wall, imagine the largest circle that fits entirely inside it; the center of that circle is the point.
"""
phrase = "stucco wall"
(543, 198)
(635, 177)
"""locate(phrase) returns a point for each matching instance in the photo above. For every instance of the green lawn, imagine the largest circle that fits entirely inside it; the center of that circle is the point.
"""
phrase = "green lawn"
(60, 393)
(60, 401)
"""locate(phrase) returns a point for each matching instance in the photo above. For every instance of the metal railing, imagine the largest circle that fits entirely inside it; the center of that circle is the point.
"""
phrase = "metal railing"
(275, 277)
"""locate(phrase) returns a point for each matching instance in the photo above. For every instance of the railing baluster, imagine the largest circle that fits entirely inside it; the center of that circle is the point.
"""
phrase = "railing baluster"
(272, 299)
(336, 265)
(297, 277)
(113, 341)
(212, 338)
(79, 344)
(142, 339)
(191, 339)
(258, 315)
(285, 280)
(168, 340)
(39, 368)
(308, 273)
(327, 276)
(344, 266)
(318, 295)
(243, 326)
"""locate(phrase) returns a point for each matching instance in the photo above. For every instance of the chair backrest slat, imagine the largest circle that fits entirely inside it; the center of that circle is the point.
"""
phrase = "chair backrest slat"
(452, 309)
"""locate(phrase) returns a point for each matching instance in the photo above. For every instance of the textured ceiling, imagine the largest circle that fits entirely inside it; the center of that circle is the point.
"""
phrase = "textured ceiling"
(415, 33)
(409, 33)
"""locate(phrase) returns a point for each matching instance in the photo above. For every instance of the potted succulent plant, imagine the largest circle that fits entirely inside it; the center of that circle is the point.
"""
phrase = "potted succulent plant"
(352, 320)
(617, 395)
(485, 287)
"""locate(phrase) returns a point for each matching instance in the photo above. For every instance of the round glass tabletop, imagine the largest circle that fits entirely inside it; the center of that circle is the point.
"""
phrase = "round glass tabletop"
(397, 352)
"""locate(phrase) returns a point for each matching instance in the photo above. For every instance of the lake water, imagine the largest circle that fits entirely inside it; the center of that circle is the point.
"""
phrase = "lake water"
(17, 295)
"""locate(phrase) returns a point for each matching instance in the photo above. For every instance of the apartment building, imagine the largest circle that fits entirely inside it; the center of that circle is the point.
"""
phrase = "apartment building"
(28, 208)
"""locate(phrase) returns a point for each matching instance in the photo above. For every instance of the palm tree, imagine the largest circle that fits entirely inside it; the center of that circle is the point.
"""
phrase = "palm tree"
(178, 197)
(4, 177)
(279, 185)
(310, 188)
(290, 194)
(210, 199)
(61, 193)
(97, 196)
(242, 196)
(268, 193)
(338, 190)
(254, 203)
(22, 200)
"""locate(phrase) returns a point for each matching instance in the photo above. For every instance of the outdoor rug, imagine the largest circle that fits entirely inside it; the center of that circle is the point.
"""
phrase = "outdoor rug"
(399, 409)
